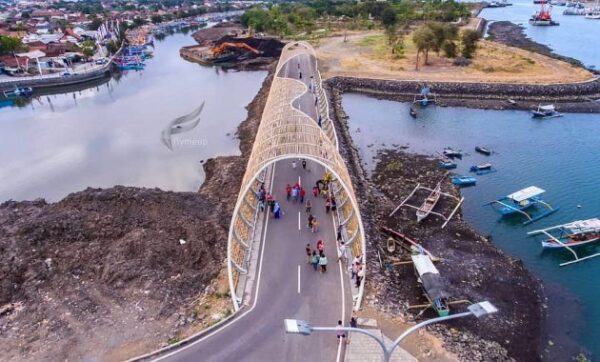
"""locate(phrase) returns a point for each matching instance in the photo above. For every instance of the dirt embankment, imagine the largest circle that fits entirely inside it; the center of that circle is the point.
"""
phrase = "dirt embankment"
(109, 274)
(472, 267)
(267, 49)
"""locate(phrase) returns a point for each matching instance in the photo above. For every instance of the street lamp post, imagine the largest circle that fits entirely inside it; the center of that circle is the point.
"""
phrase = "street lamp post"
(294, 326)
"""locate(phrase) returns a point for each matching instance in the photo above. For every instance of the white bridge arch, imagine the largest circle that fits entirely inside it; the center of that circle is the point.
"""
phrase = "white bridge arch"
(288, 133)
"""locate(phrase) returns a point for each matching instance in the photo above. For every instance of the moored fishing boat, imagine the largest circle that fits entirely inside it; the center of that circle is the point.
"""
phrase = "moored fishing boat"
(463, 180)
(482, 169)
(447, 164)
(519, 202)
(546, 111)
(570, 235)
(483, 150)
(452, 153)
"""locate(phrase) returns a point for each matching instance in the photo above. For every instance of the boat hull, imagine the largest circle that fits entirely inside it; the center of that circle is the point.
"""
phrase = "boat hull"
(551, 244)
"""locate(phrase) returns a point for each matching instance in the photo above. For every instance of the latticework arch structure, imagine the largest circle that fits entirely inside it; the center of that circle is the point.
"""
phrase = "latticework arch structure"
(285, 133)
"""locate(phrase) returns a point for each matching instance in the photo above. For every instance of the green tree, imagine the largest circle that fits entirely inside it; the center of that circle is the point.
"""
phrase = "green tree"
(424, 39)
(389, 18)
(138, 21)
(449, 48)
(88, 52)
(156, 18)
(9, 44)
(469, 40)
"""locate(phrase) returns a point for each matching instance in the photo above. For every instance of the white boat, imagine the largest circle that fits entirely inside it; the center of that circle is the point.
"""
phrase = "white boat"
(429, 203)
(570, 235)
(546, 111)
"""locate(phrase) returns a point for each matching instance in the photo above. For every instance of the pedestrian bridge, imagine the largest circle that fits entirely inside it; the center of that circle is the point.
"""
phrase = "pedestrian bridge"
(286, 131)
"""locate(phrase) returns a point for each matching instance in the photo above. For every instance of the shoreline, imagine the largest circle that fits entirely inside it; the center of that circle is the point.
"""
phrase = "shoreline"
(512, 336)
(511, 34)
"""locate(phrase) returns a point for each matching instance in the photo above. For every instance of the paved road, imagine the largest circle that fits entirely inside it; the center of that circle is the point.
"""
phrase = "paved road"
(288, 287)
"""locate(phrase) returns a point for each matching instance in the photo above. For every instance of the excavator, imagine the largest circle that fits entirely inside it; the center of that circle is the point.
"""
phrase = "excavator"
(228, 45)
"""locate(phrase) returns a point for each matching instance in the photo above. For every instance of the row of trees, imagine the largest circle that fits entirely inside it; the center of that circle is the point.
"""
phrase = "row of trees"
(282, 19)
(287, 18)
(435, 10)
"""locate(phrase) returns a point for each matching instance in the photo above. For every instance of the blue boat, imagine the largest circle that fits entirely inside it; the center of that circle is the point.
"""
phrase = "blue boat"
(520, 203)
(447, 165)
(482, 169)
(463, 180)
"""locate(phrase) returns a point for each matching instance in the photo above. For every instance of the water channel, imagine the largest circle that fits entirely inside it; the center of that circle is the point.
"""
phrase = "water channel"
(110, 134)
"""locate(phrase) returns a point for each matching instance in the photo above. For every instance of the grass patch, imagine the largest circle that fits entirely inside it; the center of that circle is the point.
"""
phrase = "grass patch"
(174, 340)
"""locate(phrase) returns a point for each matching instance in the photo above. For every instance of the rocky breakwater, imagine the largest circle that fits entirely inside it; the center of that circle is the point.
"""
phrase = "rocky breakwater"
(570, 97)
(472, 268)
(112, 273)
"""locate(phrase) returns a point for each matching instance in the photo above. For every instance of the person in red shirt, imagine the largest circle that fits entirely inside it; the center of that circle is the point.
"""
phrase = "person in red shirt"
(320, 245)
(302, 194)
(288, 191)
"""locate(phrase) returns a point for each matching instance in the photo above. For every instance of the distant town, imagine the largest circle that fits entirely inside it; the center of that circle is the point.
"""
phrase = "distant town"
(58, 37)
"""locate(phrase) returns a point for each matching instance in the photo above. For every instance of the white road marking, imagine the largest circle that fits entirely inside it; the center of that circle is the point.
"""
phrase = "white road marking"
(299, 223)
(260, 264)
(299, 181)
(298, 279)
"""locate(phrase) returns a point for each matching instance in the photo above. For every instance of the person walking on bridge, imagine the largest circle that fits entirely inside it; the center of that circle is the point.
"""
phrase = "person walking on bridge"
(294, 193)
(276, 210)
(308, 253)
(314, 225)
(308, 206)
(320, 246)
(302, 194)
(314, 260)
(323, 262)
(310, 219)
(288, 191)
(315, 191)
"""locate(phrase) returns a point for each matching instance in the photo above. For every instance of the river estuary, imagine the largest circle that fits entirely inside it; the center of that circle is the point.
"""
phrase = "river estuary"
(110, 134)
(559, 155)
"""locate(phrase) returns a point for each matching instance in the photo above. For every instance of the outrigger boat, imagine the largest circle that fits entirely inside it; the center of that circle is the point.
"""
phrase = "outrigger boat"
(483, 150)
(426, 208)
(520, 201)
(570, 235)
(429, 203)
(463, 180)
(425, 96)
(547, 111)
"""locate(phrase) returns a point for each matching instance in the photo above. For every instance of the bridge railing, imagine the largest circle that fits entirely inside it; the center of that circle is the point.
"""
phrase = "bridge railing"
(243, 227)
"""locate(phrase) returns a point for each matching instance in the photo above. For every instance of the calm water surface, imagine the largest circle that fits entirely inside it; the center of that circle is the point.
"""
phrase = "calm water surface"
(559, 155)
(110, 134)
(576, 36)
